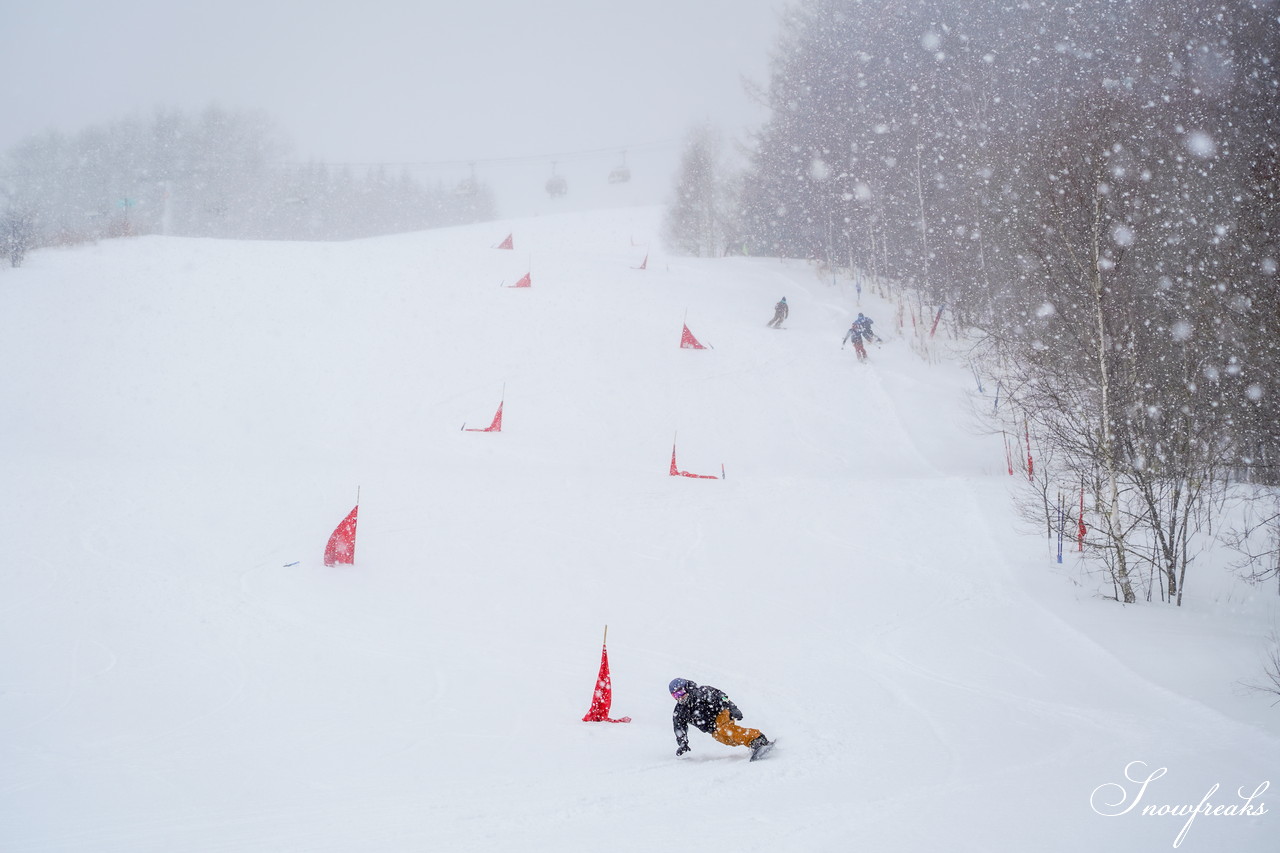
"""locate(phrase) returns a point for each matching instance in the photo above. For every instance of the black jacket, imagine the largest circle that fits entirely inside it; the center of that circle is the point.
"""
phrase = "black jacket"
(700, 708)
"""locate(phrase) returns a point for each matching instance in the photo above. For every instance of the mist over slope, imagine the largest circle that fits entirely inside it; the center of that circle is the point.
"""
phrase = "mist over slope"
(187, 420)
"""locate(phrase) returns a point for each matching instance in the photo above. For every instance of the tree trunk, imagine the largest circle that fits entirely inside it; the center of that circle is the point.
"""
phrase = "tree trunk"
(1114, 532)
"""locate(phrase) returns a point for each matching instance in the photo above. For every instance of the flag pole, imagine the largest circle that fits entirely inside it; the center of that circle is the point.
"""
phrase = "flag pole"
(605, 641)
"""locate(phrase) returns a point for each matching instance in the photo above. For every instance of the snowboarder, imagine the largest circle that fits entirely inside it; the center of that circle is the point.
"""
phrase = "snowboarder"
(711, 711)
(855, 334)
(780, 313)
(865, 322)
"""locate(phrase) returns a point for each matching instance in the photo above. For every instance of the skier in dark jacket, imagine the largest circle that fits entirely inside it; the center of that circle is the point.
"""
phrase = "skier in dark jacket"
(855, 334)
(710, 710)
(780, 313)
(865, 323)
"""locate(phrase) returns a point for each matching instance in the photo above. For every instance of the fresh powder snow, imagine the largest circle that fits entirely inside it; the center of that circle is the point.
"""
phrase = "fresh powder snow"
(185, 421)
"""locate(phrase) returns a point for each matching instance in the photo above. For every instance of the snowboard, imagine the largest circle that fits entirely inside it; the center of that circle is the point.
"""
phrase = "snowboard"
(757, 754)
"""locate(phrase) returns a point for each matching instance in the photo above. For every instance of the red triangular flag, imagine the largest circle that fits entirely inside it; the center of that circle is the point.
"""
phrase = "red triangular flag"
(523, 282)
(496, 426)
(603, 696)
(342, 544)
(688, 341)
(676, 472)
(506, 244)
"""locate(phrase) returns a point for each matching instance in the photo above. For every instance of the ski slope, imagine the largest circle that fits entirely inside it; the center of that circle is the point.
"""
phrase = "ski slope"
(185, 421)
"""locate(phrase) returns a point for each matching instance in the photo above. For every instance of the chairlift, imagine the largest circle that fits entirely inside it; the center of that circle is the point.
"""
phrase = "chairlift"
(556, 185)
(468, 187)
(621, 174)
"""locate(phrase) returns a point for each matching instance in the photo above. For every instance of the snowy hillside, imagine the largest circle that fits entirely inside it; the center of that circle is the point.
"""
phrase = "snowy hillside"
(185, 422)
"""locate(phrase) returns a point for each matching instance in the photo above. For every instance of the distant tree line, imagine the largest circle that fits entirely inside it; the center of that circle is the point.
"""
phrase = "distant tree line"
(221, 173)
(1091, 190)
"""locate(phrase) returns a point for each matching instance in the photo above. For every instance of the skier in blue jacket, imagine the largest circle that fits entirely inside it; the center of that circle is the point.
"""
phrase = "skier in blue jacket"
(865, 322)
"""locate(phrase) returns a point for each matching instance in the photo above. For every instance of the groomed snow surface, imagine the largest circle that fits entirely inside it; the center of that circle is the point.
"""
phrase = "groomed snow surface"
(185, 421)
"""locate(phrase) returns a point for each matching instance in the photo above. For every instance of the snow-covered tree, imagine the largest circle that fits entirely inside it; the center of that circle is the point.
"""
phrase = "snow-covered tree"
(698, 218)
(220, 173)
(1092, 186)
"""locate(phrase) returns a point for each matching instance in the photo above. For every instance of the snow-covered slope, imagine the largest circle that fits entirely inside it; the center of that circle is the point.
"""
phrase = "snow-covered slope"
(185, 422)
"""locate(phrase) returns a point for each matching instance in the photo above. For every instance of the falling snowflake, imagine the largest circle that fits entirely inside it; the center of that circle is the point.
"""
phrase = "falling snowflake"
(1201, 144)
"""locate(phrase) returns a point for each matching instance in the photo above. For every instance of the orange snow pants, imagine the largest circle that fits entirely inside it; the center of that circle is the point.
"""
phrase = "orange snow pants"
(730, 733)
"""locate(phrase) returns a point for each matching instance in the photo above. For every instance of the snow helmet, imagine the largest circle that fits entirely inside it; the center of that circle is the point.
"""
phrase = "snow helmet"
(679, 687)
(860, 317)
(784, 299)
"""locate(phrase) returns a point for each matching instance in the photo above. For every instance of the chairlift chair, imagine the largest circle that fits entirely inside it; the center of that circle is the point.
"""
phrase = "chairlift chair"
(468, 187)
(556, 185)
(621, 174)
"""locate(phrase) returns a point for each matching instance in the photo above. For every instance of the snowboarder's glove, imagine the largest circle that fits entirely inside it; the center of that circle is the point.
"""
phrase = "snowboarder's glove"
(682, 749)
(735, 714)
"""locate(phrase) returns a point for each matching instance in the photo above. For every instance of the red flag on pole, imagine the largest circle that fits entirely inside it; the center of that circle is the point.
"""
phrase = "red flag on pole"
(602, 698)
(525, 281)
(688, 341)
(342, 544)
(676, 472)
(506, 244)
(496, 426)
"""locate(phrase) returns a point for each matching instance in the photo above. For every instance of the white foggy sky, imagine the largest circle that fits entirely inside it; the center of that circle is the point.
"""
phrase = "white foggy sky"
(397, 80)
